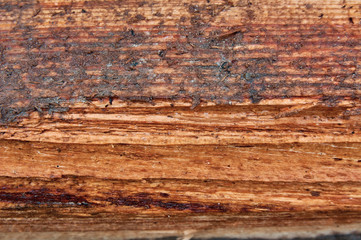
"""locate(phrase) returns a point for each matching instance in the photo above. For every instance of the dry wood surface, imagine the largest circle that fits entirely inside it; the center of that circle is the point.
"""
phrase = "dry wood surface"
(179, 118)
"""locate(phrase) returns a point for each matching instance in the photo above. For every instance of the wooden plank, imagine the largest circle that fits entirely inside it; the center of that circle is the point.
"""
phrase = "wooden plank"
(147, 119)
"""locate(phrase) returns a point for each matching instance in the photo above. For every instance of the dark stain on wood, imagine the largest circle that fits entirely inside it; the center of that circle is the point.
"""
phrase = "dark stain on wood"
(43, 196)
(315, 193)
(148, 202)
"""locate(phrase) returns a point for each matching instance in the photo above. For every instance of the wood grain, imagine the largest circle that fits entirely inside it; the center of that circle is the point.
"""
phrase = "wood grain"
(150, 119)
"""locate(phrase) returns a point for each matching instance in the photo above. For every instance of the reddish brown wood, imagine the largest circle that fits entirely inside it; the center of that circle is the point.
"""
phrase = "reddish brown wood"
(218, 118)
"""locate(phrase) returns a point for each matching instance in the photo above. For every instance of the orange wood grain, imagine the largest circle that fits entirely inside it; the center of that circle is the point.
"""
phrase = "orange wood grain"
(148, 119)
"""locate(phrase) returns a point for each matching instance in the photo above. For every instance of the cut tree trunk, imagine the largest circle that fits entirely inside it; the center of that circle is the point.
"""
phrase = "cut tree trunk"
(193, 119)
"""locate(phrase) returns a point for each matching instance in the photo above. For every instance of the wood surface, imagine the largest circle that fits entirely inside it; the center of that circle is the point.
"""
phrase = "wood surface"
(186, 119)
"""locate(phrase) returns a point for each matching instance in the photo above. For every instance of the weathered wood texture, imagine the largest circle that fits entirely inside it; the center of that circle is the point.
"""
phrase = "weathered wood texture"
(180, 118)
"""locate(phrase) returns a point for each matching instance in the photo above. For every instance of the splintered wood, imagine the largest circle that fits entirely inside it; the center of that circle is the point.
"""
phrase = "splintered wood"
(148, 119)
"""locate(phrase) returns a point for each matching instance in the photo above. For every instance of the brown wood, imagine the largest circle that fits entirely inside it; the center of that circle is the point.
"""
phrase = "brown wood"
(147, 119)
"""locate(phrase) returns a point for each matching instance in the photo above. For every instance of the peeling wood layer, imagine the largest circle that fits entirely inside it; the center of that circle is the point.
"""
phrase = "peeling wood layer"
(172, 123)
